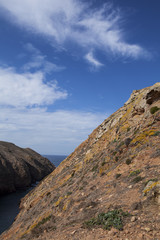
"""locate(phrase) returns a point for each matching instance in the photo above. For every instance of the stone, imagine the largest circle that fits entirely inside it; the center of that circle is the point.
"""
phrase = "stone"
(147, 229)
(133, 219)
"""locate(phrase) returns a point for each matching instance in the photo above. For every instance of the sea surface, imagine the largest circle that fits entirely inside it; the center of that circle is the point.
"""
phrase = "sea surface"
(9, 204)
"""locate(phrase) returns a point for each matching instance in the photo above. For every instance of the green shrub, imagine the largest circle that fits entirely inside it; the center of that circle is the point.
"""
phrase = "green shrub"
(114, 153)
(154, 109)
(118, 175)
(134, 173)
(69, 193)
(128, 129)
(103, 163)
(128, 161)
(116, 159)
(137, 179)
(108, 220)
(95, 168)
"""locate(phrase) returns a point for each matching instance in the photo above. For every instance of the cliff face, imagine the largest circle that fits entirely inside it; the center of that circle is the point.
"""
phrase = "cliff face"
(117, 167)
(20, 167)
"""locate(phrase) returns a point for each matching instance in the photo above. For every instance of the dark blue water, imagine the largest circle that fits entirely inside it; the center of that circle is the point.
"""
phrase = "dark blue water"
(55, 159)
(9, 204)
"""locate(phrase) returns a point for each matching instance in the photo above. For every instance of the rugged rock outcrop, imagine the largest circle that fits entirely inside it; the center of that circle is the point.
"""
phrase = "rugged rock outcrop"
(20, 167)
(110, 183)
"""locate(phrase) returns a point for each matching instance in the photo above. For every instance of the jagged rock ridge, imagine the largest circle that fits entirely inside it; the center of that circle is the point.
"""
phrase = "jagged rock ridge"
(117, 167)
(20, 167)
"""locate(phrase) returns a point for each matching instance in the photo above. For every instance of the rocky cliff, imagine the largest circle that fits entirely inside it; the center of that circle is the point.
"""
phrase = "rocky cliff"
(20, 167)
(108, 188)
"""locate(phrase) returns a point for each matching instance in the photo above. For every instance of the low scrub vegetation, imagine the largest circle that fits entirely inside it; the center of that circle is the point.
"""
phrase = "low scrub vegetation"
(108, 220)
(154, 109)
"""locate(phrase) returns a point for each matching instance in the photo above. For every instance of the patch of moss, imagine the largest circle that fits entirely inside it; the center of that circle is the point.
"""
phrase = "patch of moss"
(151, 180)
(108, 220)
(44, 220)
(150, 186)
(154, 109)
(156, 133)
(95, 168)
(134, 173)
(142, 137)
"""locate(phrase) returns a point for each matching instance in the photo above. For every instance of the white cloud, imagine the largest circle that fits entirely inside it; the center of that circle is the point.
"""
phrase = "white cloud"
(27, 89)
(93, 61)
(47, 132)
(74, 20)
(38, 61)
(25, 120)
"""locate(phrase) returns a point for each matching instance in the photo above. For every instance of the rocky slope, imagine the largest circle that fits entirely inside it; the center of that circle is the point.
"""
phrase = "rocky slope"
(108, 188)
(20, 167)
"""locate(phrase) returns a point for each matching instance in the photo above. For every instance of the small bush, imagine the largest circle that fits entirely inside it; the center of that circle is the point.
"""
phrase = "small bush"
(154, 109)
(108, 220)
(134, 173)
(128, 129)
(114, 153)
(69, 193)
(137, 179)
(116, 159)
(118, 175)
(103, 163)
(95, 168)
(128, 161)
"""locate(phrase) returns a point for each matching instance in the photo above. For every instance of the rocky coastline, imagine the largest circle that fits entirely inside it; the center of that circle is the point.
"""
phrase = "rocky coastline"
(21, 167)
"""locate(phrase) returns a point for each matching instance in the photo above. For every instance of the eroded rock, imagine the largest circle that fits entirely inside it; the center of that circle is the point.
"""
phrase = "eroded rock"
(20, 167)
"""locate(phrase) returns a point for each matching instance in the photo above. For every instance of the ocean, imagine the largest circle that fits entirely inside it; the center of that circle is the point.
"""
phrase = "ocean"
(9, 204)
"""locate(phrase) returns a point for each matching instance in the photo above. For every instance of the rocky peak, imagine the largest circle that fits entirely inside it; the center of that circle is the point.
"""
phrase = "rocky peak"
(108, 188)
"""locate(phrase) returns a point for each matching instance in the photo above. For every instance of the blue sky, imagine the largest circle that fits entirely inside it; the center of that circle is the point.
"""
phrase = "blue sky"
(66, 65)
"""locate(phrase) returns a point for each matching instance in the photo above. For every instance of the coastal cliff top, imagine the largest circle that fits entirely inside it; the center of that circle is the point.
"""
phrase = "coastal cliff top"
(20, 167)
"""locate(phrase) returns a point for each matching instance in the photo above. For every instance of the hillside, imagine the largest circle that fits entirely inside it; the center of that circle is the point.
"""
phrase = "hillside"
(116, 171)
(21, 167)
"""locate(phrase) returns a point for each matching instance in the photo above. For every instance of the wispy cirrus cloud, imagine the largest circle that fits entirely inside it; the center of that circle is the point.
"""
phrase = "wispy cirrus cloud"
(74, 21)
(39, 61)
(93, 61)
(27, 89)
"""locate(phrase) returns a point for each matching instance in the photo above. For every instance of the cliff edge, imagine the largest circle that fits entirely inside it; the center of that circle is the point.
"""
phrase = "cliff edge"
(108, 188)
(20, 167)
